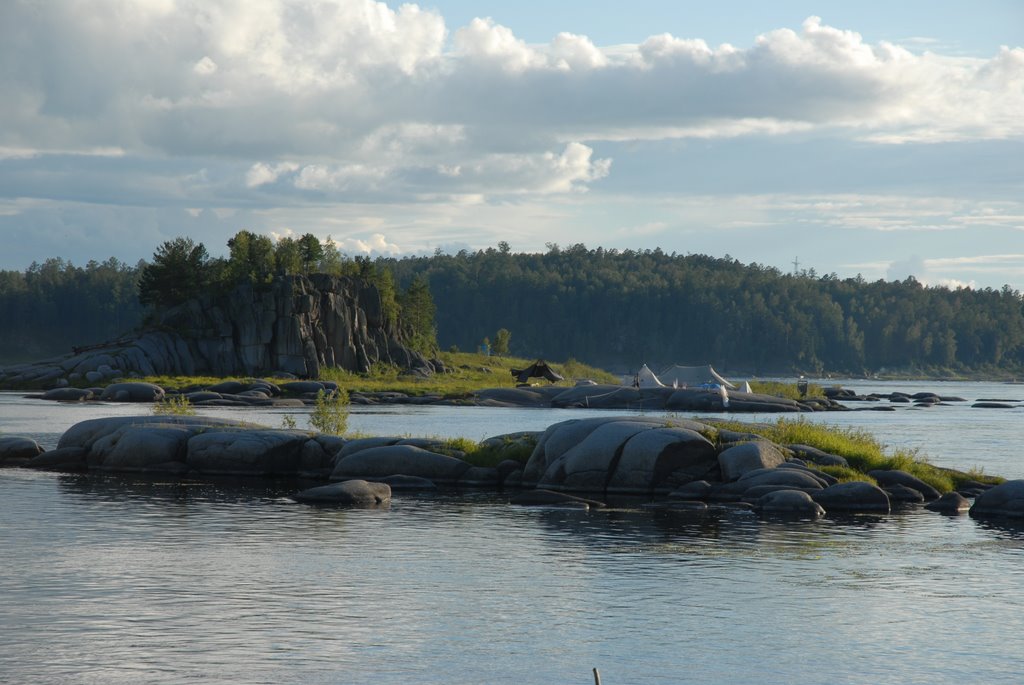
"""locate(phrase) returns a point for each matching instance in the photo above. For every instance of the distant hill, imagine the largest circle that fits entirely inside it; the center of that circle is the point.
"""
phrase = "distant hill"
(621, 309)
(608, 308)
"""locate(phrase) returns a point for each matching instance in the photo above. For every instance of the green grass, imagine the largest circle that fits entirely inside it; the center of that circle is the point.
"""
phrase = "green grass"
(469, 372)
(863, 452)
(787, 390)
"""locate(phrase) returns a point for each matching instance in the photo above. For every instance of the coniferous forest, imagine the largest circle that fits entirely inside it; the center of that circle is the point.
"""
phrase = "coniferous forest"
(616, 309)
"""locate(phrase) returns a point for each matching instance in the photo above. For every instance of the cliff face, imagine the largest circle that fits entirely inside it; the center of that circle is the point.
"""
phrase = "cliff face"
(297, 325)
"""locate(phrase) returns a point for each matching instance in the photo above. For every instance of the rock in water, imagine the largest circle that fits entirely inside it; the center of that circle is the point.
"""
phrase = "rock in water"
(353, 493)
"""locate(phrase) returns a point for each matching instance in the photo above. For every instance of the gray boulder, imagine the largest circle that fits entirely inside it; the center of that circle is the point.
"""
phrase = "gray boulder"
(141, 448)
(660, 459)
(14, 450)
(547, 498)
(748, 456)
(132, 392)
(360, 444)
(354, 493)
(790, 478)
(789, 502)
(248, 453)
(903, 494)
(590, 464)
(85, 433)
(402, 482)
(896, 477)
(68, 395)
(389, 460)
(480, 477)
(1006, 499)
(68, 459)
(514, 397)
(695, 490)
(853, 496)
(949, 503)
(813, 454)
(559, 438)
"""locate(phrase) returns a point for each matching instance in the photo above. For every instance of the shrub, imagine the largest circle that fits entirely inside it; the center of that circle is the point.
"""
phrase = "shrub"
(330, 413)
(176, 405)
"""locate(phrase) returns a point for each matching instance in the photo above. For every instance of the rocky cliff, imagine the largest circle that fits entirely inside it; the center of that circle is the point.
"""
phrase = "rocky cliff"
(297, 325)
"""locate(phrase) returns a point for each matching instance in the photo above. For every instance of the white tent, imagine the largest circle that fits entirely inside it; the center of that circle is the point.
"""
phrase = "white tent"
(691, 376)
(645, 378)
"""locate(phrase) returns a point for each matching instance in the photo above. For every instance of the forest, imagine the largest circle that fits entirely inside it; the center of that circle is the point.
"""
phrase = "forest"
(615, 309)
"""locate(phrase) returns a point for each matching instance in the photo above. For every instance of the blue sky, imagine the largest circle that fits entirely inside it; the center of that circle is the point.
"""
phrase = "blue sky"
(883, 139)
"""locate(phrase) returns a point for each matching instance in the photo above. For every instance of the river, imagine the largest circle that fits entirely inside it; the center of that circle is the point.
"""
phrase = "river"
(125, 580)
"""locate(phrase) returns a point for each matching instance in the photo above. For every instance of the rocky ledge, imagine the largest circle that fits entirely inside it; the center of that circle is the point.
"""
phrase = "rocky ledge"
(295, 326)
(673, 464)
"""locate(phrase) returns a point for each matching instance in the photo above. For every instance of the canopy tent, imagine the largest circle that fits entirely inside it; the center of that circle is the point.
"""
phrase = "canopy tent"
(690, 376)
(645, 378)
(539, 369)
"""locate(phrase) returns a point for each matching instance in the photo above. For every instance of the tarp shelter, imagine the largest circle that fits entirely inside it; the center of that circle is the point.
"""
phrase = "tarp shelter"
(539, 369)
(645, 378)
(692, 376)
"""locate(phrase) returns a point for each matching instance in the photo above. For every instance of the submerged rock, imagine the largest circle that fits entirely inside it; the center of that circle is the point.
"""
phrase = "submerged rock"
(355, 493)
(1006, 499)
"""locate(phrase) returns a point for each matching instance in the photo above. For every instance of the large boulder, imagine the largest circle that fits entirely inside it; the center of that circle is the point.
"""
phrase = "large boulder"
(85, 433)
(748, 456)
(661, 459)
(141, 448)
(514, 397)
(897, 477)
(391, 460)
(68, 394)
(950, 503)
(353, 493)
(853, 496)
(132, 392)
(16, 450)
(779, 477)
(790, 503)
(559, 438)
(68, 459)
(820, 457)
(246, 452)
(589, 465)
(1006, 499)
(548, 498)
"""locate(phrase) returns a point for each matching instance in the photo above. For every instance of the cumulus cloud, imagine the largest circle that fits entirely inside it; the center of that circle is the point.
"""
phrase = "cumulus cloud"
(258, 105)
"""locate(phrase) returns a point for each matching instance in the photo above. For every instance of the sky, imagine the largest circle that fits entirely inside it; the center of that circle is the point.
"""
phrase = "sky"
(880, 139)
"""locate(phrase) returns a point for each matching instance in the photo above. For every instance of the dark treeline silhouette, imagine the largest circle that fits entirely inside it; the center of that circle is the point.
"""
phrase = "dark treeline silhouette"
(611, 308)
(49, 307)
(620, 309)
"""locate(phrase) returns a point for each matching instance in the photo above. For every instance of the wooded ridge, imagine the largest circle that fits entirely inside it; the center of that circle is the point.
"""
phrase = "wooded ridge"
(616, 309)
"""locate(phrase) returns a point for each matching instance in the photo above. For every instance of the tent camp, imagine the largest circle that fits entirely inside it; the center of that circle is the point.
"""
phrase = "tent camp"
(539, 369)
(645, 378)
(692, 376)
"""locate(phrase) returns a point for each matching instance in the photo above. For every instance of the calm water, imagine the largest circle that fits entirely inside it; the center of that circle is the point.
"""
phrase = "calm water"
(113, 580)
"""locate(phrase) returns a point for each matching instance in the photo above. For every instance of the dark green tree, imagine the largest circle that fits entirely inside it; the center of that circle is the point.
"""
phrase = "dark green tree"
(251, 259)
(416, 314)
(178, 272)
(310, 252)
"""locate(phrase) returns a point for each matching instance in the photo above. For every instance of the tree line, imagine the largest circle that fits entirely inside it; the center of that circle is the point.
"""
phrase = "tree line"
(619, 309)
(53, 306)
(611, 308)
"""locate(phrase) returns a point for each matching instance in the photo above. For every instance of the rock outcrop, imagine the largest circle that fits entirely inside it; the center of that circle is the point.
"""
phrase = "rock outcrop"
(295, 326)
(689, 465)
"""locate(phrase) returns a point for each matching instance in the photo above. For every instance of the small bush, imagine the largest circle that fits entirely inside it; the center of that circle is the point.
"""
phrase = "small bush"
(330, 413)
(176, 405)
